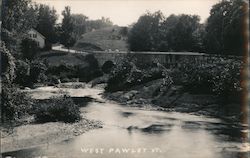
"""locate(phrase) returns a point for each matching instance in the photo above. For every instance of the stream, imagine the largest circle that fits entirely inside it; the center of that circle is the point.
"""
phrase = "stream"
(130, 132)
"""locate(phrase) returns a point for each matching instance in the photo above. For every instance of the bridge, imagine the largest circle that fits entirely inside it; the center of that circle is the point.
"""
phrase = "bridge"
(165, 58)
(169, 59)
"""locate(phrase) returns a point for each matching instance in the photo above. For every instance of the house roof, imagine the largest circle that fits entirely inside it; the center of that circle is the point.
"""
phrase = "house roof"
(38, 33)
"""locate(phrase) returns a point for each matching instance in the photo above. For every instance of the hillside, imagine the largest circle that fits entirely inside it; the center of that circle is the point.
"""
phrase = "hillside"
(104, 39)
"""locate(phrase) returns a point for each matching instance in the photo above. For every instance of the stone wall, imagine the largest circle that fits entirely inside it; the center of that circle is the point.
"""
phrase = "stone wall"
(169, 59)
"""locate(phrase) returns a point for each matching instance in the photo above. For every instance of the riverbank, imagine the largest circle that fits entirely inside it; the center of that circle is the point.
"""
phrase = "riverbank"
(29, 133)
(33, 135)
(176, 99)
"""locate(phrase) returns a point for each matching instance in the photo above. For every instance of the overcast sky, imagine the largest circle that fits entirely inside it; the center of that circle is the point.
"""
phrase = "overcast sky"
(125, 12)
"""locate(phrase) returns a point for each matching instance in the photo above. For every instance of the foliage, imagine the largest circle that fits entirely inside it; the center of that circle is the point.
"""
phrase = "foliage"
(29, 49)
(144, 35)
(67, 28)
(19, 17)
(7, 64)
(57, 109)
(37, 72)
(118, 76)
(178, 33)
(47, 18)
(98, 24)
(127, 74)
(152, 32)
(28, 73)
(14, 104)
(108, 66)
(221, 77)
(79, 25)
(224, 28)
(124, 31)
(22, 73)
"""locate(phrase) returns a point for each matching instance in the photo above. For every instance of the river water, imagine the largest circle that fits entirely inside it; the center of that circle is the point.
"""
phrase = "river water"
(135, 133)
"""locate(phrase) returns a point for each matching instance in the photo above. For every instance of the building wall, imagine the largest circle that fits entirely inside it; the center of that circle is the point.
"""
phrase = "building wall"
(36, 37)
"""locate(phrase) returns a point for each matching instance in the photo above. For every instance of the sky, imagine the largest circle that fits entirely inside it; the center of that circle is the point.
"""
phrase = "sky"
(126, 12)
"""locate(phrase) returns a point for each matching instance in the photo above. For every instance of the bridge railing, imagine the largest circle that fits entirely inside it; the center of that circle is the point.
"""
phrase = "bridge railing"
(169, 59)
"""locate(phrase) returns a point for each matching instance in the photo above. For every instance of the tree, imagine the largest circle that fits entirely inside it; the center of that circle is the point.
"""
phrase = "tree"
(79, 25)
(224, 28)
(181, 33)
(144, 35)
(19, 17)
(47, 18)
(99, 23)
(67, 28)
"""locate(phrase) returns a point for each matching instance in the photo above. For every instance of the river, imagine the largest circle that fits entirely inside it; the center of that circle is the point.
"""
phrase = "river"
(129, 132)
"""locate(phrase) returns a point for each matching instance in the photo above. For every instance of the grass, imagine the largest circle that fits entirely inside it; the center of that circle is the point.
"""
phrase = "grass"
(103, 39)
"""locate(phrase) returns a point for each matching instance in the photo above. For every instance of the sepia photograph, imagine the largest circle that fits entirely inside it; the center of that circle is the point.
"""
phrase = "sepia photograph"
(124, 79)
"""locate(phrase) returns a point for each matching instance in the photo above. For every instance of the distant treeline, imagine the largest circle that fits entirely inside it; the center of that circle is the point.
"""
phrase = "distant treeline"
(222, 33)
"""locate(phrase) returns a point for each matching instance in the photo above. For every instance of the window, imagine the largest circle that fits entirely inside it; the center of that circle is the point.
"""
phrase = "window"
(34, 35)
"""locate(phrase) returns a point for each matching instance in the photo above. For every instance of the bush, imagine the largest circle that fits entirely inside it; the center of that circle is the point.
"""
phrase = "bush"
(118, 76)
(7, 66)
(14, 104)
(57, 109)
(37, 71)
(28, 73)
(29, 48)
(127, 74)
(221, 77)
(22, 73)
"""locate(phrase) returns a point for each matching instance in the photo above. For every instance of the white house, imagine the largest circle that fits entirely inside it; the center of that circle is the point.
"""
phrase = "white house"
(37, 37)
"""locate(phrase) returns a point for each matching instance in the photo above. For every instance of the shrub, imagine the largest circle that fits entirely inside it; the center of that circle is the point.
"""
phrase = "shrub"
(37, 71)
(7, 66)
(28, 73)
(29, 48)
(14, 104)
(22, 73)
(57, 109)
(118, 76)
(221, 77)
(127, 74)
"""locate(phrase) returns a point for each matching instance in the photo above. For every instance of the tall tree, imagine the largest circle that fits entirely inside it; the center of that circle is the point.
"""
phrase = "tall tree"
(144, 35)
(180, 32)
(19, 17)
(79, 25)
(47, 18)
(67, 28)
(224, 28)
